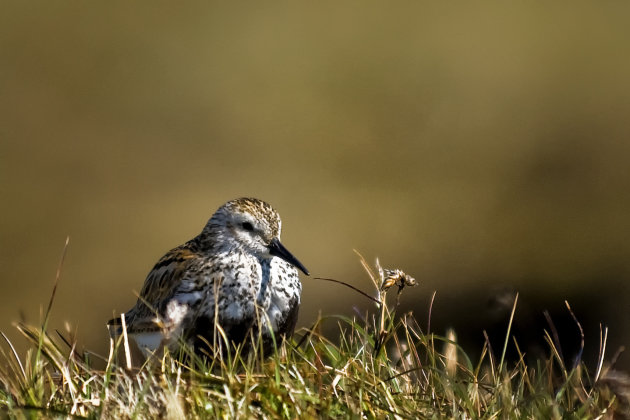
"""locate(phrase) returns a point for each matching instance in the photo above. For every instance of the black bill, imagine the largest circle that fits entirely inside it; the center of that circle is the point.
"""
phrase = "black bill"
(278, 250)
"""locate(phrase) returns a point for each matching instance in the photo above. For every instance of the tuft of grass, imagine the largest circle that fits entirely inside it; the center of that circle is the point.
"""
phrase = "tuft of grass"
(379, 365)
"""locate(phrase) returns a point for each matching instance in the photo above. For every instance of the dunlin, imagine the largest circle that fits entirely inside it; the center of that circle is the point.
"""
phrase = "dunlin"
(235, 274)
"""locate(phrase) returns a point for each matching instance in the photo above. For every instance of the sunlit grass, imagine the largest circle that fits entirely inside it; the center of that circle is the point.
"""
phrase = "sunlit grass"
(381, 365)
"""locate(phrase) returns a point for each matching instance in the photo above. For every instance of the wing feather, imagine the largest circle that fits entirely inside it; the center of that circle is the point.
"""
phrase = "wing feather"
(159, 286)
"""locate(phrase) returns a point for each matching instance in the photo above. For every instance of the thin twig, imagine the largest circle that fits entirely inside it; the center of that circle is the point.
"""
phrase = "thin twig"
(350, 286)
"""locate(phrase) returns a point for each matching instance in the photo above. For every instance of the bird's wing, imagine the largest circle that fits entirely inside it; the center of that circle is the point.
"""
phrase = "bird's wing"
(159, 286)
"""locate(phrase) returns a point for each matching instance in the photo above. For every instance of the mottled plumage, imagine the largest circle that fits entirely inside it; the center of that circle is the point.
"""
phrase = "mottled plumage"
(236, 269)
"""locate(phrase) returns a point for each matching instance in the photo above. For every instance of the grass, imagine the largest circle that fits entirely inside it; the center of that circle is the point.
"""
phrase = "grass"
(380, 365)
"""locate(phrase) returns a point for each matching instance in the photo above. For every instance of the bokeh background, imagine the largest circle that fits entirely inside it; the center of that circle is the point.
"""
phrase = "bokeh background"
(482, 148)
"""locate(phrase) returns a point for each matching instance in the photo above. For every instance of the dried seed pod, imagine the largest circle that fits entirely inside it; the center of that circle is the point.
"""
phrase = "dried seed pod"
(396, 276)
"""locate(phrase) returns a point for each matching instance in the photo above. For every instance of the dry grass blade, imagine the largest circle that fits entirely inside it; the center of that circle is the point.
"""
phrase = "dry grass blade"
(507, 335)
(57, 277)
(554, 333)
(368, 269)
(579, 355)
(603, 338)
(430, 312)
(14, 354)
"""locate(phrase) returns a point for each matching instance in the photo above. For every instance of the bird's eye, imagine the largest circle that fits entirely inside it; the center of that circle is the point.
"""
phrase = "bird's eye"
(247, 226)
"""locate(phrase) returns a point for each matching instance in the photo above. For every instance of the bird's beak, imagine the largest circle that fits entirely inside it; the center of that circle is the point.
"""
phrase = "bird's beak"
(278, 250)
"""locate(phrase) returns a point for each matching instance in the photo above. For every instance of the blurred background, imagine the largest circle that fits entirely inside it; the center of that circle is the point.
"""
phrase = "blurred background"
(483, 149)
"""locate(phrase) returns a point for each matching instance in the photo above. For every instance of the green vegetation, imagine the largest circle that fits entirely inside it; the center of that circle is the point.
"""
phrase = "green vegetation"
(381, 366)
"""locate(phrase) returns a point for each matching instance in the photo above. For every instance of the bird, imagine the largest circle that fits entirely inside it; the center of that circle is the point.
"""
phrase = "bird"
(235, 274)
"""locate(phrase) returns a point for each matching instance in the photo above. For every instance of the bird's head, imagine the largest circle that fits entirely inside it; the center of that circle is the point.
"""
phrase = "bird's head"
(252, 225)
